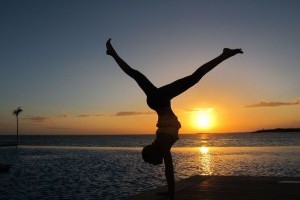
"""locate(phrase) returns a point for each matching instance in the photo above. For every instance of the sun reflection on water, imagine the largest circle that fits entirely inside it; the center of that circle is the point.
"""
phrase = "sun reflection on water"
(204, 150)
(205, 161)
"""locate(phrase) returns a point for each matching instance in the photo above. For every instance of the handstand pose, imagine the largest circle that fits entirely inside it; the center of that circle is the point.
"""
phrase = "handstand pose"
(159, 99)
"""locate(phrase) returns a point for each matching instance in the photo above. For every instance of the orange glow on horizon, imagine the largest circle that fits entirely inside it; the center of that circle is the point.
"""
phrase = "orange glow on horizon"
(217, 119)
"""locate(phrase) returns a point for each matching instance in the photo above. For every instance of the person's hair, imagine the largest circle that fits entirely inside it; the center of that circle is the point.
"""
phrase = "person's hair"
(151, 154)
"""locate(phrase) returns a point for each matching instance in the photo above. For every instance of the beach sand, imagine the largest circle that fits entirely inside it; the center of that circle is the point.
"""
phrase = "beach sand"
(230, 187)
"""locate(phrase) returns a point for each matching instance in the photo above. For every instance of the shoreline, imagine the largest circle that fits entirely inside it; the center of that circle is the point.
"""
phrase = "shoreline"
(229, 187)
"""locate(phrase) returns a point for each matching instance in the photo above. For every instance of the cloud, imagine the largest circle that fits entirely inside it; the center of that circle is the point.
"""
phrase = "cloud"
(118, 114)
(190, 110)
(63, 115)
(59, 128)
(198, 109)
(89, 115)
(37, 118)
(273, 104)
(131, 113)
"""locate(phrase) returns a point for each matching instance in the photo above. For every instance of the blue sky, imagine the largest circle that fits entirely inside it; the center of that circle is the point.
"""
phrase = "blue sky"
(53, 61)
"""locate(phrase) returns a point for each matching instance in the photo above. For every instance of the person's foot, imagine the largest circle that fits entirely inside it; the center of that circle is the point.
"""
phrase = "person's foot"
(231, 52)
(109, 48)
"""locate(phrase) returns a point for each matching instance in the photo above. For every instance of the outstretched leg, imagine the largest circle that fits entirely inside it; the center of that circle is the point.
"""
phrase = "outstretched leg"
(140, 78)
(177, 87)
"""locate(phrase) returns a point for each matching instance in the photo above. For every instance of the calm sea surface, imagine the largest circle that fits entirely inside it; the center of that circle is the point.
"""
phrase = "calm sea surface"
(111, 167)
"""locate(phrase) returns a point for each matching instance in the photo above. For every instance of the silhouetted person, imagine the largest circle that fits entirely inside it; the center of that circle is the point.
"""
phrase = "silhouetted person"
(159, 99)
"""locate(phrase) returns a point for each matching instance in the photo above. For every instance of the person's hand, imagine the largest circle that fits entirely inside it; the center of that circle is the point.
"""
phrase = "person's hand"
(109, 48)
(165, 195)
(231, 52)
(162, 193)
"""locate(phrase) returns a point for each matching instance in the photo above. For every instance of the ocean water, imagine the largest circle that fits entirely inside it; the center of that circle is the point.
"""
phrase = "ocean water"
(111, 167)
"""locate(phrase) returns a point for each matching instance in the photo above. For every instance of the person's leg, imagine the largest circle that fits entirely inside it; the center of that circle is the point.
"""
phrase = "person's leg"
(177, 87)
(140, 78)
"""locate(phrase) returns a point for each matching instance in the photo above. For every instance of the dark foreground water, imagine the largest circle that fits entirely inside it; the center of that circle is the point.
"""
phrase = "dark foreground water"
(110, 167)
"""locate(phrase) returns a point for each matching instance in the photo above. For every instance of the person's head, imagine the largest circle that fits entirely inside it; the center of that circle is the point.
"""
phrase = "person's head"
(151, 154)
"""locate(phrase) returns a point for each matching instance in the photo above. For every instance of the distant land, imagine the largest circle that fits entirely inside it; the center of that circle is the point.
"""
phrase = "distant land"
(278, 130)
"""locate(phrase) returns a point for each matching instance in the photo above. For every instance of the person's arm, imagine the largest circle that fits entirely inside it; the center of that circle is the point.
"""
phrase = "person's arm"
(169, 172)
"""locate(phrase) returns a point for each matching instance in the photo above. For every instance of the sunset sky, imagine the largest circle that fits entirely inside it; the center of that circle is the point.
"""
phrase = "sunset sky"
(53, 64)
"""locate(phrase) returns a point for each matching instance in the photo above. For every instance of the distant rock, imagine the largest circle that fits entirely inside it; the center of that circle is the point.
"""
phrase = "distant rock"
(278, 130)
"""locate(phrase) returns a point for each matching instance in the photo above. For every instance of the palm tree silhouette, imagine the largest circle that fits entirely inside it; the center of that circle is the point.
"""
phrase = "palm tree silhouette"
(16, 112)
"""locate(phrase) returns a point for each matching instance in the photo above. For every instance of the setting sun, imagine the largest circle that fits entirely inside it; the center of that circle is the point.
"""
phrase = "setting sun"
(203, 119)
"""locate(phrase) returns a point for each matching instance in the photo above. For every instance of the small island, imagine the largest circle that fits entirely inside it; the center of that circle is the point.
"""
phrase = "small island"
(278, 130)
